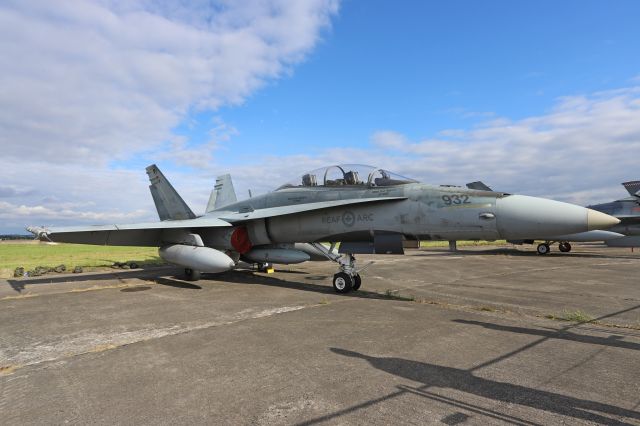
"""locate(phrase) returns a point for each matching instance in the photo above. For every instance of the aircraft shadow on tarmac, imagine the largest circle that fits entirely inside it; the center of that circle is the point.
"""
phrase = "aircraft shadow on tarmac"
(238, 276)
(517, 253)
(142, 273)
(170, 282)
(614, 340)
(249, 277)
(432, 375)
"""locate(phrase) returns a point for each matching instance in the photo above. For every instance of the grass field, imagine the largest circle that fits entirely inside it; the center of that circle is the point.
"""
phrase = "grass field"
(462, 243)
(32, 254)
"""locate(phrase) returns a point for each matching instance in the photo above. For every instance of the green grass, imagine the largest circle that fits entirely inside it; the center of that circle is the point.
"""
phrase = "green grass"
(462, 243)
(395, 295)
(573, 316)
(32, 254)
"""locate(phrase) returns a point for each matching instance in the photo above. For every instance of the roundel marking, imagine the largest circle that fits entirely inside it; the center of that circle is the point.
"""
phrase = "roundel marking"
(348, 218)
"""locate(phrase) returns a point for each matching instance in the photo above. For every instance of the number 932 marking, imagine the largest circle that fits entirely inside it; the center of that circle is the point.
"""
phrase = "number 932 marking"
(455, 199)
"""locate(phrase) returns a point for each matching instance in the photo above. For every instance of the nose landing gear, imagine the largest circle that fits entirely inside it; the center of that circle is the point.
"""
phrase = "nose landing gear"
(545, 247)
(564, 247)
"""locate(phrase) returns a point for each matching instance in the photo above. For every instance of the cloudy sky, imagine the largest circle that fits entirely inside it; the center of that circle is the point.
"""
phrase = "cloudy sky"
(540, 98)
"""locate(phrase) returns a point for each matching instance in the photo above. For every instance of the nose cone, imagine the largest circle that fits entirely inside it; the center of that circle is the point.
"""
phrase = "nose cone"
(522, 217)
(599, 220)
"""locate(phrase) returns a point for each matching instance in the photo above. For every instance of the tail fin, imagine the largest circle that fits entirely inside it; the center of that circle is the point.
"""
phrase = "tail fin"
(633, 187)
(223, 193)
(168, 203)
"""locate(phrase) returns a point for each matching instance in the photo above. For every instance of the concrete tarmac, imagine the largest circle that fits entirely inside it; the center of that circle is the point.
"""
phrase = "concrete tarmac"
(433, 337)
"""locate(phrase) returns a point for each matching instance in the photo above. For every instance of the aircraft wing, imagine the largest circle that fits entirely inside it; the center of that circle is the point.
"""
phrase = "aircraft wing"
(134, 234)
(150, 233)
(235, 217)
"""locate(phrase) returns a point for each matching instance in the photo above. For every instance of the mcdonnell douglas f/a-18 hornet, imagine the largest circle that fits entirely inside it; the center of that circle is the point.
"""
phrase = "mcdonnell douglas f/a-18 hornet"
(365, 209)
(628, 211)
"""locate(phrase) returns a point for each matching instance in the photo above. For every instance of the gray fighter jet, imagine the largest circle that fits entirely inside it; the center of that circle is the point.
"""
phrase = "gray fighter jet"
(564, 241)
(366, 209)
(628, 211)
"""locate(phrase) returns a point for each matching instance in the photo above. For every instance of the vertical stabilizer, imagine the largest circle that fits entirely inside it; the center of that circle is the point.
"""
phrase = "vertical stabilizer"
(633, 187)
(169, 204)
(223, 193)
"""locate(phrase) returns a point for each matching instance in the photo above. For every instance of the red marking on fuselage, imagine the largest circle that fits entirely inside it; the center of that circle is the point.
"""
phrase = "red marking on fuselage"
(240, 240)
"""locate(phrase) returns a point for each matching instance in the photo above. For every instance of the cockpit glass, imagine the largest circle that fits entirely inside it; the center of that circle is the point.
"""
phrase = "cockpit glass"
(347, 175)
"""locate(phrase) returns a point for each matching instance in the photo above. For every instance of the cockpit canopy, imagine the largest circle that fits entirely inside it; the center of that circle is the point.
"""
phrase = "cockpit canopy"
(347, 175)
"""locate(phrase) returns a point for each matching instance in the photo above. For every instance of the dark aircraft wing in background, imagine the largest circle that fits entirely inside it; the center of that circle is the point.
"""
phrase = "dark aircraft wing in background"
(478, 185)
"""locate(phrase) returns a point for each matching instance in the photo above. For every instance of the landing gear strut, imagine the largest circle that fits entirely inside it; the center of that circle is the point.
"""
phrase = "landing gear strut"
(265, 267)
(348, 278)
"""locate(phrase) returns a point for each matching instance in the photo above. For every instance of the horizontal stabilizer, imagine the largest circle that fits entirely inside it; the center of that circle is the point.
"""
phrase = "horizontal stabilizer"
(633, 187)
(478, 185)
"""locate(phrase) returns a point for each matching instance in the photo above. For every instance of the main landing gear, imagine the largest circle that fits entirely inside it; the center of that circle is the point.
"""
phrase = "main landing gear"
(348, 278)
(545, 247)
(265, 267)
(191, 275)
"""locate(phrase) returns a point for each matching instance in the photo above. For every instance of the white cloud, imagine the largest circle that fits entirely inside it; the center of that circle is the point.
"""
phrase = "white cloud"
(94, 81)
(387, 139)
(578, 152)
(86, 83)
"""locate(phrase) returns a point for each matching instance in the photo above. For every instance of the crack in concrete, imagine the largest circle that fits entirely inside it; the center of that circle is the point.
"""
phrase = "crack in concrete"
(12, 359)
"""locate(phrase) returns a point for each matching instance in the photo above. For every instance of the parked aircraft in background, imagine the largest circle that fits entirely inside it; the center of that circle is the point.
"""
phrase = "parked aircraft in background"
(366, 209)
(627, 210)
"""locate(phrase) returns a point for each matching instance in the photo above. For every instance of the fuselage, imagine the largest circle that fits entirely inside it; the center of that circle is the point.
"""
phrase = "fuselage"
(424, 212)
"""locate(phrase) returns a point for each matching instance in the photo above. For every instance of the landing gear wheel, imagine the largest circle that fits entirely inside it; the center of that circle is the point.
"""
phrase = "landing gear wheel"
(543, 248)
(357, 282)
(264, 267)
(342, 283)
(191, 275)
(564, 247)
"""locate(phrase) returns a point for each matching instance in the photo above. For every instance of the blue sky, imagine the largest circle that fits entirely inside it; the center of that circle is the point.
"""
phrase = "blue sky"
(422, 67)
(541, 98)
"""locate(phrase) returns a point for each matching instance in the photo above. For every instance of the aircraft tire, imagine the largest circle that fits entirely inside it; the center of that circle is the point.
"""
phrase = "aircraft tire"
(543, 248)
(357, 282)
(191, 275)
(342, 283)
(564, 247)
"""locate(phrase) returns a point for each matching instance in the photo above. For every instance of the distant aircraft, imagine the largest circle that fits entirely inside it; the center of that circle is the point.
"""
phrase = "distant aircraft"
(628, 211)
(366, 209)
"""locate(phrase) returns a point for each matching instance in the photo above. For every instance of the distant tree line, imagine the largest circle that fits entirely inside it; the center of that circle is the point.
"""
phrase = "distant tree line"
(15, 237)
